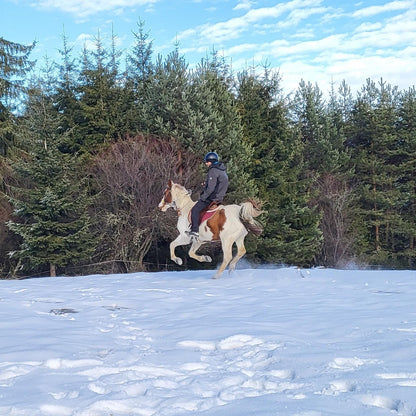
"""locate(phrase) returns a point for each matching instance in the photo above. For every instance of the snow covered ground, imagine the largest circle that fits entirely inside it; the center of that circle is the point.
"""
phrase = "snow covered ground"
(257, 342)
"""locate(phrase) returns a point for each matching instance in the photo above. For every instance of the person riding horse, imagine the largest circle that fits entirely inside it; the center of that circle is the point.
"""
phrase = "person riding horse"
(229, 225)
(215, 187)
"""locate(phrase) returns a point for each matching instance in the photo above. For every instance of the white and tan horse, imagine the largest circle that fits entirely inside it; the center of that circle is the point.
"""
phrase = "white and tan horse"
(229, 224)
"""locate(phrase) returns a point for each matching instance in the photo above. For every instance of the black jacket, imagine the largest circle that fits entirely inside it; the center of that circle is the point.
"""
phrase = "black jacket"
(216, 183)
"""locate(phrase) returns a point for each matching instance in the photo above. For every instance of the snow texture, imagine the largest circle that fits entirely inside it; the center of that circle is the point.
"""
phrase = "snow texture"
(258, 342)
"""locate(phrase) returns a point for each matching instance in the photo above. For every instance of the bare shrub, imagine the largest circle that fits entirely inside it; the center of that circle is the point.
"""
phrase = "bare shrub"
(8, 241)
(131, 176)
(336, 201)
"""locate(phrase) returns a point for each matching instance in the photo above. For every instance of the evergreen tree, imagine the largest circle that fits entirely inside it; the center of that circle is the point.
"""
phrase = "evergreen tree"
(137, 102)
(312, 124)
(344, 103)
(65, 96)
(322, 128)
(51, 210)
(335, 197)
(169, 105)
(406, 159)
(376, 156)
(291, 234)
(215, 125)
(14, 64)
(99, 95)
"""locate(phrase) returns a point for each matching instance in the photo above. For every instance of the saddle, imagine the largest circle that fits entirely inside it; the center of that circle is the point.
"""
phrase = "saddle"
(207, 212)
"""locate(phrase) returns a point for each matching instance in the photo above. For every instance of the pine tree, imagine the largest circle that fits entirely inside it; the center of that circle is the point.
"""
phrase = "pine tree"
(291, 233)
(216, 125)
(137, 98)
(322, 127)
(169, 105)
(50, 212)
(14, 64)
(406, 159)
(376, 153)
(65, 97)
(335, 197)
(312, 125)
(99, 95)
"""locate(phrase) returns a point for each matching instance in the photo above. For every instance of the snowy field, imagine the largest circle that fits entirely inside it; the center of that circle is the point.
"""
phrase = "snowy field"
(257, 342)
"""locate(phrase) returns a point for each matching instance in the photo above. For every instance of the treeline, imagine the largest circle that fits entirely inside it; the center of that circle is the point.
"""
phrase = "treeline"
(88, 143)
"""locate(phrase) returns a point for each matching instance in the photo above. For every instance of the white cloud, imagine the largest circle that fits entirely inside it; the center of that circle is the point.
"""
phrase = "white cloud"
(234, 28)
(368, 27)
(86, 41)
(302, 38)
(388, 7)
(384, 49)
(85, 8)
(354, 69)
(241, 48)
(284, 49)
(296, 16)
(243, 5)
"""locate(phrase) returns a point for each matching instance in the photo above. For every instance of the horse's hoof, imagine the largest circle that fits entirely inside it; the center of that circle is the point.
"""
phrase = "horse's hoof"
(178, 261)
(207, 259)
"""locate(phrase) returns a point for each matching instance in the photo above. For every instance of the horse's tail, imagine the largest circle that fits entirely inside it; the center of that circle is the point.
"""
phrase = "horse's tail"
(248, 211)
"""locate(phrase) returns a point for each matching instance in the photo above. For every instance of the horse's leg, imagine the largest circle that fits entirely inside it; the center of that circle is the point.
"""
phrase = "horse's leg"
(192, 252)
(180, 240)
(241, 250)
(227, 249)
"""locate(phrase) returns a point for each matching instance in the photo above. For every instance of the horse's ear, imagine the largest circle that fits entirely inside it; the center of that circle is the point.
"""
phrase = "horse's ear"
(170, 183)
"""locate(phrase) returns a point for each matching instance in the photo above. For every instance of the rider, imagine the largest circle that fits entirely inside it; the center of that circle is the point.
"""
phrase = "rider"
(215, 187)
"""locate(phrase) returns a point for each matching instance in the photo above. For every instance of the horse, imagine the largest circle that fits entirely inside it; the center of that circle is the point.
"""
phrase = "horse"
(228, 224)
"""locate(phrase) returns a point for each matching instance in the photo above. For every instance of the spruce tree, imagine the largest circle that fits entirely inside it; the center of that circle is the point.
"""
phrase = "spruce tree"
(376, 152)
(291, 233)
(216, 125)
(14, 65)
(322, 127)
(313, 127)
(406, 159)
(137, 94)
(51, 209)
(65, 97)
(169, 105)
(335, 197)
(99, 96)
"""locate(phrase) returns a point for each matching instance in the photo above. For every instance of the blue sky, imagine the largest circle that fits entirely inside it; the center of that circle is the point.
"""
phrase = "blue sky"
(320, 41)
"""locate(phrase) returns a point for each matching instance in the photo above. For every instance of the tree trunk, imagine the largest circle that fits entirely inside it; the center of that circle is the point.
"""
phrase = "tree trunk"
(52, 269)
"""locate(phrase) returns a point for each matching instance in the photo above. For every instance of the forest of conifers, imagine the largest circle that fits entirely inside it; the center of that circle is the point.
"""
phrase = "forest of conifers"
(88, 143)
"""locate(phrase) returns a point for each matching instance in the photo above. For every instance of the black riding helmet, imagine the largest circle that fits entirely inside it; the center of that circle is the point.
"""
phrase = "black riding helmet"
(211, 157)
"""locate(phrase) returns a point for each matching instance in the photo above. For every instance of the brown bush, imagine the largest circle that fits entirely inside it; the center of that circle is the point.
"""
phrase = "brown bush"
(336, 201)
(131, 176)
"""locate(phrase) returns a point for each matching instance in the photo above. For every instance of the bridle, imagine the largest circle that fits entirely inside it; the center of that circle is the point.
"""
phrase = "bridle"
(169, 202)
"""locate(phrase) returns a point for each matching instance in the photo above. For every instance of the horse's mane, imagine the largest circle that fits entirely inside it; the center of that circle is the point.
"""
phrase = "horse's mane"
(181, 189)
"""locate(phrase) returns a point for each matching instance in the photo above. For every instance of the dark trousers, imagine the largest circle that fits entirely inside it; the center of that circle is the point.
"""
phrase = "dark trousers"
(196, 210)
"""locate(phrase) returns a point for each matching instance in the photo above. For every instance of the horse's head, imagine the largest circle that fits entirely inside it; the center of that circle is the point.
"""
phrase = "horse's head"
(174, 196)
(167, 200)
